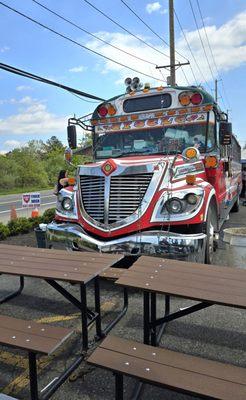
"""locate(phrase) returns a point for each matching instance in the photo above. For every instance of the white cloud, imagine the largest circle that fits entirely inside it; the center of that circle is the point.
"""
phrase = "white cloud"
(81, 68)
(21, 88)
(227, 43)
(151, 7)
(4, 48)
(34, 118)
(12, 144)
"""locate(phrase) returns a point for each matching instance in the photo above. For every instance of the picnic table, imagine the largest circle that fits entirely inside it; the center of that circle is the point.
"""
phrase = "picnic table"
(207, 284)
(56, 266)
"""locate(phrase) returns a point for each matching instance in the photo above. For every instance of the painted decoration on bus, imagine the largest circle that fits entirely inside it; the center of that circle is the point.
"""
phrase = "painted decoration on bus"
(154, 122)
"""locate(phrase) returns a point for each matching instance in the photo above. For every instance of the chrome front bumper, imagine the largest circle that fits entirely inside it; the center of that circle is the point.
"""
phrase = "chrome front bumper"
(155, 243)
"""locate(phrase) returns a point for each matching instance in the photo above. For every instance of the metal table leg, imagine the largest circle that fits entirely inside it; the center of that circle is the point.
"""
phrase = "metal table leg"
(33, 376)
(14, 294)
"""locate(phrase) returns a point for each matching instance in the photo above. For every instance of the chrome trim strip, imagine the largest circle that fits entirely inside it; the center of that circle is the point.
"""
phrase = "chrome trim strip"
(159, 243)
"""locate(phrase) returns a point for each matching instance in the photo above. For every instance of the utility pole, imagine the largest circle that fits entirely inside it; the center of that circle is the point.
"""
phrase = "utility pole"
(216, 90)
(172, 45)
(171, 80)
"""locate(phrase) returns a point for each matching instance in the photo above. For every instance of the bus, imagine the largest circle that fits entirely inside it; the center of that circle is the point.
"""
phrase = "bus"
(164, 176)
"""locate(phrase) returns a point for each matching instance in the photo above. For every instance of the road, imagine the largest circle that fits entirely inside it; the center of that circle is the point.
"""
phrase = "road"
(48, 200)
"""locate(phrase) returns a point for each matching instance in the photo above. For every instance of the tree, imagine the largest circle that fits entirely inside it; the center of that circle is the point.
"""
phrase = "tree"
(53, 145)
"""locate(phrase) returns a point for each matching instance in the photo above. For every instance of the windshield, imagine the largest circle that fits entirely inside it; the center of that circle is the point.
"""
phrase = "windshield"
(163, 140)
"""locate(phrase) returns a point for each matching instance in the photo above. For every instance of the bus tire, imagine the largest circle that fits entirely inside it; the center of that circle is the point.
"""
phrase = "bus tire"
(209, 229)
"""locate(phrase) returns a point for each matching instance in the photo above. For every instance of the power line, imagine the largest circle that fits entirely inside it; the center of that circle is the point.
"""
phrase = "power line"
(200, 12)
(185, 76)
(124, 29)
(194, 16)
(74, 41)
(149, 27)
(192, 54)
(26, 74)
(91, 34)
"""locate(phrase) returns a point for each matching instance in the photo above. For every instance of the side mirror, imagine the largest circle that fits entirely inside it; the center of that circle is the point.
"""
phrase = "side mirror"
(72, 136)
(225, 133)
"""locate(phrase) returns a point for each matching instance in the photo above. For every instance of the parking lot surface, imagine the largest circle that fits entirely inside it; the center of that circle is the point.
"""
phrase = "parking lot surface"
(216, 333)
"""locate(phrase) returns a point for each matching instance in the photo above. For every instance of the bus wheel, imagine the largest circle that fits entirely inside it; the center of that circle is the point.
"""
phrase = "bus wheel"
(209, 230)
(236, 205)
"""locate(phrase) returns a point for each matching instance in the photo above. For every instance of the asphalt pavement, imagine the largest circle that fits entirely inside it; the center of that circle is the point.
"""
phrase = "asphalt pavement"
(216, 333)
(48, 200)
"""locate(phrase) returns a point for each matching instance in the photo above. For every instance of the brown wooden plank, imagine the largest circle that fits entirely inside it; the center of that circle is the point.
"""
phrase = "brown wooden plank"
(153, 262)
(175, 359)
(237, 274)
(51, 253)
(171, 377)
(47, 274)
(112, 273)
(188, 293)
(31, 341)
(194, 276)
(63, 265)
(188, 281)
(34, 328)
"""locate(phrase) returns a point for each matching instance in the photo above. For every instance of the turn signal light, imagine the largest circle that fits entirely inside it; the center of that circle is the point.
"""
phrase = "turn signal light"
(191, 152)
(184, 99)
(211, 162)
(106, 109)
(190, 179)
(111, 110)
(71, 181)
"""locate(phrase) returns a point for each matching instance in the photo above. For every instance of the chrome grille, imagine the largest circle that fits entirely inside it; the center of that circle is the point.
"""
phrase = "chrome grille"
(92, 194)
(125, 196)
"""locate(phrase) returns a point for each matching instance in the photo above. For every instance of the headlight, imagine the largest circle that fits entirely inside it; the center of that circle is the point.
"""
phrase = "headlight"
(174, 206)
(67, 204)
(192, 198)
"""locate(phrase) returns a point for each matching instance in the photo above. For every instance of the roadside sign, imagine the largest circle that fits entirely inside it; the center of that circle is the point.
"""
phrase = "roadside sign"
(31, 200)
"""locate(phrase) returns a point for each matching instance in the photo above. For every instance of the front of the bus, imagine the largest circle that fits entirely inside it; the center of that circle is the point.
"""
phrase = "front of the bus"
(146, 191)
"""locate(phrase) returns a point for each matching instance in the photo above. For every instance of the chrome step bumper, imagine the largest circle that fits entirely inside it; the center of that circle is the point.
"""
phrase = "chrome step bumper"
(155, 243)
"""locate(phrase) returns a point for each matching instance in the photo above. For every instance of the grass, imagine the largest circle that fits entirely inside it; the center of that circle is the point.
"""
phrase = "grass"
(23, 190)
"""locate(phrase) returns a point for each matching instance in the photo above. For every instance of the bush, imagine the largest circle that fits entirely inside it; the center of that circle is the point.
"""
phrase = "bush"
(19, 225)
(48, 215)
(35, 221)
(4, 231)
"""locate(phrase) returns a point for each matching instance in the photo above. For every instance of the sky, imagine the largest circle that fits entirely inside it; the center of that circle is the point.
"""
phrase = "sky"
(32, 110)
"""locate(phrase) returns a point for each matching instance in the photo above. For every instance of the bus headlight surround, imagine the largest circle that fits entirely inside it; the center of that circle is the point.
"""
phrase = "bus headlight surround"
(67, 204)
(174, 206)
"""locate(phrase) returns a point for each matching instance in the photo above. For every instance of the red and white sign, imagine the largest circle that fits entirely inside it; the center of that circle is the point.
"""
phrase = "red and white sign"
(31, 200)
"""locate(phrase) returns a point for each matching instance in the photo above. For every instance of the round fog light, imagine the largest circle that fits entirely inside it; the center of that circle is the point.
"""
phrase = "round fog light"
(174, 206)
(191, 198)
(67, 204)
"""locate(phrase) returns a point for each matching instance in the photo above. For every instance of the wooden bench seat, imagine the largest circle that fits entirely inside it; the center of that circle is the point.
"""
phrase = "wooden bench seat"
(169, 369)
(31, 336)
(36, 339)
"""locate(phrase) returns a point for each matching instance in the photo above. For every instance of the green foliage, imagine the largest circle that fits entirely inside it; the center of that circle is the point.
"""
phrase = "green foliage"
(4, 231)
(19, 225)
(48, 215)
(25, 225)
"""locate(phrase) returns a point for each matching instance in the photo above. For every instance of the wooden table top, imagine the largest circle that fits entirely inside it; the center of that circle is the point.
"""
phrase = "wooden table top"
(78, 267)
(208, 283)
